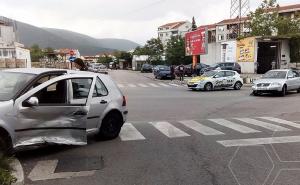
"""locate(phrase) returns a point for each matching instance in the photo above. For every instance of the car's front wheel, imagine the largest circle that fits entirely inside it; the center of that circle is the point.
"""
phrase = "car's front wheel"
(208, 87)
(283, 91)
(5, 144)
(238, 85)
(298, 91)
(111, 126)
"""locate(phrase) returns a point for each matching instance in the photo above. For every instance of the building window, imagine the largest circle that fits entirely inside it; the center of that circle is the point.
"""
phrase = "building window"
(5, 52)
(174, 32)
(221, 28)
(220, 37)
(167, 34)
(161, 35)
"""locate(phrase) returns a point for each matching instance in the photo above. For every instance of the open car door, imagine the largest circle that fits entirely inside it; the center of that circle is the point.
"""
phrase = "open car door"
(54, 112)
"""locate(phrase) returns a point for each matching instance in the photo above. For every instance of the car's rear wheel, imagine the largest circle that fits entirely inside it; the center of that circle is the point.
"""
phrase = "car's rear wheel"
(208, 87)
(5, 144)
(238, 85)
(283, 91)
(298, 91)
(255, 93)
(111, 126)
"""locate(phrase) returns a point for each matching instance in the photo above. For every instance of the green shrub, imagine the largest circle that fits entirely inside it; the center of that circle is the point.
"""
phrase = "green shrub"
(6, 177)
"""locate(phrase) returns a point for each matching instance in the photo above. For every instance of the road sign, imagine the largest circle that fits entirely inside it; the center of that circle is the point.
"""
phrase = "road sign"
(72, 58)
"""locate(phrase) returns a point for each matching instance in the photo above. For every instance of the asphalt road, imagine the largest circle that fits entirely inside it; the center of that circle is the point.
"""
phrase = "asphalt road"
(177, 136)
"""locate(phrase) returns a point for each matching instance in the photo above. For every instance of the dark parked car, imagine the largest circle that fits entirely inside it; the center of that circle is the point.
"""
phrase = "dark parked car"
(224, 66)
(146, 68)
(163, 72)
(188, 69)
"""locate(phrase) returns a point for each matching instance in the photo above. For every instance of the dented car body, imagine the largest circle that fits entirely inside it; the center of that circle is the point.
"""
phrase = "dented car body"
(39, 106)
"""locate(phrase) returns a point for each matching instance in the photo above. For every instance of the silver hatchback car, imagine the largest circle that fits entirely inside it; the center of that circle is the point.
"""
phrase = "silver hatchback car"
(39, 106)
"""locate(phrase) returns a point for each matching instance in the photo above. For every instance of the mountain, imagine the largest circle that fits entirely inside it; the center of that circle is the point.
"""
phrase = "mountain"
(59, 38)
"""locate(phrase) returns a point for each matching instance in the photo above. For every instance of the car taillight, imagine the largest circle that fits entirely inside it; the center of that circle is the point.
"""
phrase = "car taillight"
(124, 101)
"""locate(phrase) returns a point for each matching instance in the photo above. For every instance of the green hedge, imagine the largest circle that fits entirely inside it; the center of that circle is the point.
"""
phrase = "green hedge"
(6, 177)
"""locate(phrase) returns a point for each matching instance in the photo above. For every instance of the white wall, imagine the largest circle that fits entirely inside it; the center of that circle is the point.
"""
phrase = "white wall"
(213, 54)
(7, 35)
(285, 55)
(230, 52)
(22, 53)
(247, 67)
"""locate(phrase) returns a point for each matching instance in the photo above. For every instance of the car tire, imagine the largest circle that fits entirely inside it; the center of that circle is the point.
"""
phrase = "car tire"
(238, 86)
(255, 93)
(298, 91)
(283, 91)
(5, 144)
(208, 87)
(111, 126)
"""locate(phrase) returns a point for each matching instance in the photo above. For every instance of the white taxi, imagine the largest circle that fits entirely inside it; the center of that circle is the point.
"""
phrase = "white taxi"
(216, 79)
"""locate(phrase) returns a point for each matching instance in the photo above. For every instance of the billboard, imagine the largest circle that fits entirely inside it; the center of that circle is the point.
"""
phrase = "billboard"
(196, 42)
(245, 50)
(228, 51)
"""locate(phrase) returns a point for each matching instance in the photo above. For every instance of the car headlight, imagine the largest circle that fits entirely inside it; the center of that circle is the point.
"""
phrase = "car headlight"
(275, 84)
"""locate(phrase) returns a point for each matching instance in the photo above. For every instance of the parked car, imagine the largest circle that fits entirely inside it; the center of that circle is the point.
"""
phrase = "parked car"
(224, 66)
(163, 72)
(189, 71)
(39, 106)
(277, 81)
(98, 68)
(146, 68)
(216, 79)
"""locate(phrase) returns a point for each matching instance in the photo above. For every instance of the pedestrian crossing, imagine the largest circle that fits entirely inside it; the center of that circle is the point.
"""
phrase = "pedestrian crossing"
(219, 127)
(146, 85)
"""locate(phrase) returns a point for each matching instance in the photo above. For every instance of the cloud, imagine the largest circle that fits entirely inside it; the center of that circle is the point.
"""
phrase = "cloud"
(136, 20)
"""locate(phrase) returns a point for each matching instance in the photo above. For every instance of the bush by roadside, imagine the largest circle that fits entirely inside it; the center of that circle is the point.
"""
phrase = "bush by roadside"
(6, 177)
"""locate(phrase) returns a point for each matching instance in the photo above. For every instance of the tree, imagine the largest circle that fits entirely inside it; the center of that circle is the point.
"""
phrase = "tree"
(175, 52)
(36, 53)
(105, 59)
(287, 25)
(263, 20)
(194, 26)
(155, 49)
(49, 53)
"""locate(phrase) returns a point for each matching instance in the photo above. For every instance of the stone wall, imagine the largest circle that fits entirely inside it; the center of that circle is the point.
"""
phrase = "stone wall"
(12, 63)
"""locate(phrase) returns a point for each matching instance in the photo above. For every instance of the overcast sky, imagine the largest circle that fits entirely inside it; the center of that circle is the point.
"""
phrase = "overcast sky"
(136, 20)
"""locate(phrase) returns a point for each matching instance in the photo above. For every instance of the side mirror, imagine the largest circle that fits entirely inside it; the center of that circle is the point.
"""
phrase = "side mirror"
(31, 102)
(290, 77)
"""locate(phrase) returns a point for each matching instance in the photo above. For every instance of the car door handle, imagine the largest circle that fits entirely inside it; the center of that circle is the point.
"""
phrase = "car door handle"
(103, 102)
(80, 113)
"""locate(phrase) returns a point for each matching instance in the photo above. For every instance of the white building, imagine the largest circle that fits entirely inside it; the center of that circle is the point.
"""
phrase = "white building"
(11, 51)
(166, 31)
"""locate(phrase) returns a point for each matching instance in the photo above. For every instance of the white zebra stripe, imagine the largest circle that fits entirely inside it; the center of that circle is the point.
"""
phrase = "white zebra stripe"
(164, 85)
(234, 126)
(169, 130)
(202, 129)
(153, 85)
(130, 133)
(265, 125)
(131, 85)
(143, 85)
(121, 85)
(281, 121)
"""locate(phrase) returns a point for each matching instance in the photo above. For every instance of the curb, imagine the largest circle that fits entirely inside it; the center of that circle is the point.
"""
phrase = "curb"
(18, 172)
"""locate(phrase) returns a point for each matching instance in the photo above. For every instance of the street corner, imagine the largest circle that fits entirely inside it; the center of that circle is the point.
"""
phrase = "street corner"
(17, 172)
(251, 165)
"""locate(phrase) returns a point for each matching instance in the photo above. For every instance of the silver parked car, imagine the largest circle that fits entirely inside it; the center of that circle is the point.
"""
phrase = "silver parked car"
(40, 106)
(277, 81)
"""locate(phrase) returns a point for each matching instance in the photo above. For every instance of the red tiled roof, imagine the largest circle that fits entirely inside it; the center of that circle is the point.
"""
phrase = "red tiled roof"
(232, 21)
(209, 26)
(173, 25)
(288, 8)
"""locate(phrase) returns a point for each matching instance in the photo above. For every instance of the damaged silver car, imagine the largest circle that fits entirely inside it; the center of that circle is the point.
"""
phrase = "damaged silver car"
(39, 106)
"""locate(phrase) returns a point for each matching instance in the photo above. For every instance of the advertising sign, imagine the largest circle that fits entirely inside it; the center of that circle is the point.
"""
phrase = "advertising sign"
(196, 42)
(246, 50)
(228, 51)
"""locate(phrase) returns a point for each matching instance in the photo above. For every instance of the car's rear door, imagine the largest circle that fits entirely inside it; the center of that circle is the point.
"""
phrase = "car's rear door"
(57, 118)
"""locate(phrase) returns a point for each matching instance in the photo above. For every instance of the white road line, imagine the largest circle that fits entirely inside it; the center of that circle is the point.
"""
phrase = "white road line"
(285, 122)
(164, 85)
(121, 85)
(202, 129)
(175, 85)
(143, 85)
(153, 85)
(130, 133)
(263, 124)
(169, 130)
(234, 126)
(131, 85)
(260, 141)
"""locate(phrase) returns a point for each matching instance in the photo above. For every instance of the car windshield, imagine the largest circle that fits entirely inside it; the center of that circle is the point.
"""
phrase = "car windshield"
(209, 73)
(12, 83)
(164, 68)
(215, 65)
(275, 74)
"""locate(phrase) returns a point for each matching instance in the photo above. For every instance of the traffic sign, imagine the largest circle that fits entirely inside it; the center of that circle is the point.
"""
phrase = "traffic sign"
(72, 58)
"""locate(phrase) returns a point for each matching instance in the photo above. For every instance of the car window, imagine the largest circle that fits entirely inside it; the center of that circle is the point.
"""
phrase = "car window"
(229, 64)
(220, 74)
(100, 89)
(81, 87)
(229, 73)
(290, 73)
(296, 74)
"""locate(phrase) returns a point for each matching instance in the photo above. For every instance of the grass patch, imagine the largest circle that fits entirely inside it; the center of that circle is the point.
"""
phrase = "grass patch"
(6, 177)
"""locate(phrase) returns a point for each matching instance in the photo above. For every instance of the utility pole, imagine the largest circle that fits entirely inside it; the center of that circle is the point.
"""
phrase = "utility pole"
(239, 9)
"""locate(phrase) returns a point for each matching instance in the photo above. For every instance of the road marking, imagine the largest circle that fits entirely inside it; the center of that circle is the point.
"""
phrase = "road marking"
(234, 126)
(169, 130)
(131, 85)
(130, 133)
(260, 141)
(202, 129)
(153, 85)
(285, 122)
(164, 85)
(121, 85)
(175, 85)
(44, 170)
(143, 85)
(265, 125)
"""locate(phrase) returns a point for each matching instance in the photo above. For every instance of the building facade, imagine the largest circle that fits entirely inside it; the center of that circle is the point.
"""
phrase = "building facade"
(166, 31)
